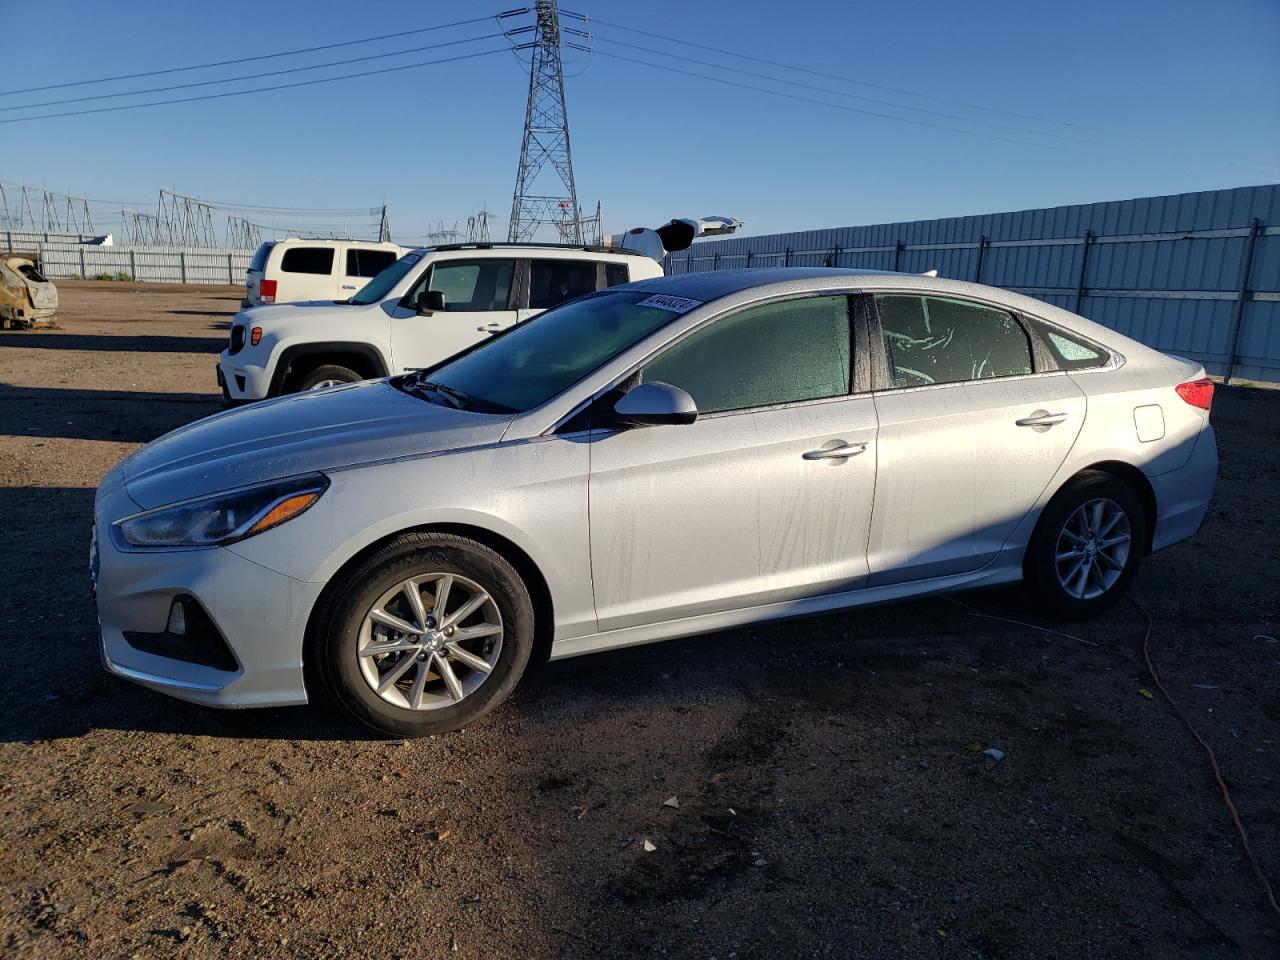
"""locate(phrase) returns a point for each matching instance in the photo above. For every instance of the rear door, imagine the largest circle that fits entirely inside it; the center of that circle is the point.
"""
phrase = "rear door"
(362, 264)
(479, 297)
(971, 433)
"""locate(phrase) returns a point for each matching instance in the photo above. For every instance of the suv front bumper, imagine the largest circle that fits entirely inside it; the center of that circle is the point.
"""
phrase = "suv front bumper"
(241, 381)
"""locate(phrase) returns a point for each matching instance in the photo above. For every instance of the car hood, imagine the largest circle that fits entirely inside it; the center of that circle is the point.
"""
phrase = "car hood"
(320, 430)
(282, 311)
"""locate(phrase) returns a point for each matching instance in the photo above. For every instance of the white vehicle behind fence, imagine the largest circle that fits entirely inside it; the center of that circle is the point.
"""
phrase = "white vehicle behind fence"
(293, 270)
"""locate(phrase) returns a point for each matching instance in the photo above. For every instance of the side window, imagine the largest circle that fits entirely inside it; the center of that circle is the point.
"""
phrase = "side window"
(473, 285)
(616, 273)
(777, 353)
(317, 260)
(1070, 353)
(368, 263)
(552, 282)
(940, 340)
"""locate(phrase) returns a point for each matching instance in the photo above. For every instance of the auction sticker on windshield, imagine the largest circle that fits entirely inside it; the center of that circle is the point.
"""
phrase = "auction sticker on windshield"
(674, 304)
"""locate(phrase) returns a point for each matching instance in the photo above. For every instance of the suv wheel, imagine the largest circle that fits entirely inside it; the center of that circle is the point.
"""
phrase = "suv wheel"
(427, 635)
(1087, 546)
(328, 375)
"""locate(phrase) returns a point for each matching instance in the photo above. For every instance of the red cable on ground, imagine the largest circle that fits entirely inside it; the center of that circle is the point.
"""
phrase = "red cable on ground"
(1213, 761)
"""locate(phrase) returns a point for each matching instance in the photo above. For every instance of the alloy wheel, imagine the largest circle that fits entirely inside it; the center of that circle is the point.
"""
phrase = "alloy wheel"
(1093, 548)
(430, 641)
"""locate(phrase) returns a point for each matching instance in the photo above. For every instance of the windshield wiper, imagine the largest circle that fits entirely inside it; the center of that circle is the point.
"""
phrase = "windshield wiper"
(456, 398)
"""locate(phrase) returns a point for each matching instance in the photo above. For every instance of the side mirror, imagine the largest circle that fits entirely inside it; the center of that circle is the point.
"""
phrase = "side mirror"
(429, 302)
(649, 404)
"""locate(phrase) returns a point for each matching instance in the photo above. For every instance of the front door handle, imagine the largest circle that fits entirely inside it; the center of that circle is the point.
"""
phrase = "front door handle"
(348, 286)
(836, 453)
(490, 328)
(1041, 418)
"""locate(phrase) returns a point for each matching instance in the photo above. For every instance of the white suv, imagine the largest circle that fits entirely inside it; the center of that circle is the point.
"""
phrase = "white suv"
(427, 306)
(288, 271)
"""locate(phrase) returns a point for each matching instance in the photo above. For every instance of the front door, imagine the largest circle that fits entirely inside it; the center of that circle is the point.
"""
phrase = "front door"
(765, 498)
(970, 435)
(477, 302)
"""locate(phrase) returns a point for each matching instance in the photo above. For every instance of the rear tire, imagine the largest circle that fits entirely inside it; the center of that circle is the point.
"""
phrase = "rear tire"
(328, 375)
(1087, 547)
(453, 669)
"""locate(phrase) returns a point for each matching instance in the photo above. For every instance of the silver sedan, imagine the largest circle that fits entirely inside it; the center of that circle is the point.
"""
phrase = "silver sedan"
(660, 459)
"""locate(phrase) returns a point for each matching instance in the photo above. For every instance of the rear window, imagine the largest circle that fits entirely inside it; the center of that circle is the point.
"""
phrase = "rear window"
(317, 260)
(552, 282)
(368, 263)
(260, 255)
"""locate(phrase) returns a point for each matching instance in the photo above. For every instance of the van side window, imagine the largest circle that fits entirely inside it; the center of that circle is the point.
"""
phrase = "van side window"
(317, 260)
(616, 273)
(552, 282)
(368, 263)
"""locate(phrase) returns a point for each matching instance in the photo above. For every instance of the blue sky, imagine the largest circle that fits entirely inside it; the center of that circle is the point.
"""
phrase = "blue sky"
(1161, 96)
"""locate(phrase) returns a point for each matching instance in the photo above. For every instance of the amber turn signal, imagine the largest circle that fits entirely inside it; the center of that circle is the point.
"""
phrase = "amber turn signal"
(286, 509)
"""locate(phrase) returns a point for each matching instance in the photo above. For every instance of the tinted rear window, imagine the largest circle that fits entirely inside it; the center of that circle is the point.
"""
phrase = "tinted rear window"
(368, 263)
(318, 260)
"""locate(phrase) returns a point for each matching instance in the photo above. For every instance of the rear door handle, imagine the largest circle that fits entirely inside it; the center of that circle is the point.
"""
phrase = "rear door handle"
(490, 328)
(836, 453)
(1041, 419)
(348, 286)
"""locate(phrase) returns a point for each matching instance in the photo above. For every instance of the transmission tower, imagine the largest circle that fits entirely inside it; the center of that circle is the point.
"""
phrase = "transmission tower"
(242, 233)
(184, 221)
(478, 227)
(546, 136)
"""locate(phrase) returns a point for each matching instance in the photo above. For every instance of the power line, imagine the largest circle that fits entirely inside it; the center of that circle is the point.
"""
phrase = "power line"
(241, 93)
(255, 76)
(832, 76)
(852, 96)
(263, 56)
(824, 103)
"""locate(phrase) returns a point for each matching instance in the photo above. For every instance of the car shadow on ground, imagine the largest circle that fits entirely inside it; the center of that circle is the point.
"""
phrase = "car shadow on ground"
(136, 416)
(202, 313)
(114, 344)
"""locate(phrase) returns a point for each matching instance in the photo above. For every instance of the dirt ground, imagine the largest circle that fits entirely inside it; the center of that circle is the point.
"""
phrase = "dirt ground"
(832, 797)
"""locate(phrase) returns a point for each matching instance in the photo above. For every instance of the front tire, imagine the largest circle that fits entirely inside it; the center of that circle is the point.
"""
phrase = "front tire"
(1087, 547)
(328, 375)
(426, 635)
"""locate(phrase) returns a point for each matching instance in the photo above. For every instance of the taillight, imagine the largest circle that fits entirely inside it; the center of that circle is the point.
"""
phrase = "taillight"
(256, 336)
(267, 291)
(1198, 393)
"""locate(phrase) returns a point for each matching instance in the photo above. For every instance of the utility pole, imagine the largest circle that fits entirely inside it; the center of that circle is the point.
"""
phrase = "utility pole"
(546, 136)
(384, 226)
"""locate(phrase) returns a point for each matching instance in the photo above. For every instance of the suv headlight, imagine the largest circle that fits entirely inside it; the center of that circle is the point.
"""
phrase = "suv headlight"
(223, 517)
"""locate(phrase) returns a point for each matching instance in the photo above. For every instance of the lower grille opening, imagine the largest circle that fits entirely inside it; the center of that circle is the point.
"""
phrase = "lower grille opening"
(200, 642)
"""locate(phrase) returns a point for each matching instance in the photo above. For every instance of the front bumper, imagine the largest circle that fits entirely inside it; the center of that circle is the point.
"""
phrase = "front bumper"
(259, 613)
(241, 381)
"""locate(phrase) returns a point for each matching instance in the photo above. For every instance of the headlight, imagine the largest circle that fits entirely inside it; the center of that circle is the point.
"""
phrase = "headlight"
(222, 518)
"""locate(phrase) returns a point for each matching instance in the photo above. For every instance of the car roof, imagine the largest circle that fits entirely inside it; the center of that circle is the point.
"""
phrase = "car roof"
(714, 284)
(548, 250)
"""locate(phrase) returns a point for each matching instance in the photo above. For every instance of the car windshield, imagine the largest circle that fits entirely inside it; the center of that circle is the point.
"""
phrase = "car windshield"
(382, 284)
(543, 356)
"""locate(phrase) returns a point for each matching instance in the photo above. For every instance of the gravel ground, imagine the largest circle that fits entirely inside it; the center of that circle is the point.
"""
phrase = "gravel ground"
(833, 799)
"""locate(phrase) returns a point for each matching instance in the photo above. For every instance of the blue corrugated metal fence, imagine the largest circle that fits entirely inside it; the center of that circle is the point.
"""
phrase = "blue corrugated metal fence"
(1196, 274)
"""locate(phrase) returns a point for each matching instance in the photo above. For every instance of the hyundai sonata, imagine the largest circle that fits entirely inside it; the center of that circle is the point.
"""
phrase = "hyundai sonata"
(659, 459)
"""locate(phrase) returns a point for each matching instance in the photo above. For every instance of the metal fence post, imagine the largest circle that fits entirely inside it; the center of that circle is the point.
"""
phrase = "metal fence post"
(982, 250)
(897, 255)
(231, 277)
(1084, 267)
(1242, 296)
(83, 276)
(133, 265)
(9, 237)
(182, 265)
(715, 260)
(748, 258)
(786, 257)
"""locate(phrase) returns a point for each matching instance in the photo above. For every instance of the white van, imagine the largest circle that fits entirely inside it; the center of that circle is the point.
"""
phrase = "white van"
(292, 270)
